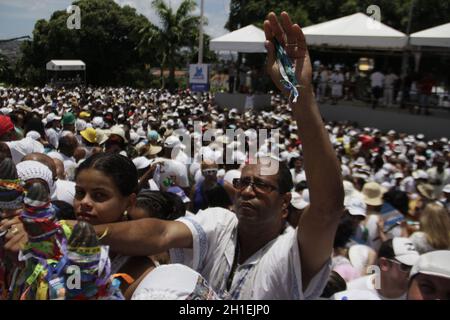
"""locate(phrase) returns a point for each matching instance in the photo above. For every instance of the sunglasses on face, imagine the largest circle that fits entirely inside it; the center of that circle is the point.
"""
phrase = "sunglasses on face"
(258, 185)
(403, 267)
(209, 171)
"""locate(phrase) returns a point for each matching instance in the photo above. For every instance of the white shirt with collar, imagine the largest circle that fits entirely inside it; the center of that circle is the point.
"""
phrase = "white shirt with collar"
(274, 272)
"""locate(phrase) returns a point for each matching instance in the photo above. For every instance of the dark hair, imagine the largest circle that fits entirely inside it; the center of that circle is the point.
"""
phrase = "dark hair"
(161, 204)
(344, 231)
(121, 169)
(285, 183)
(398, 199)
(63, 210)
(35, 124)
(335, 284)
(217, 197)
(386, 250)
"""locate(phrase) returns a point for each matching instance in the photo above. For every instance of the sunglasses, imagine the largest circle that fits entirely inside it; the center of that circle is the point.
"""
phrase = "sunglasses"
(258, 185)
(403, 267)
(209, 171)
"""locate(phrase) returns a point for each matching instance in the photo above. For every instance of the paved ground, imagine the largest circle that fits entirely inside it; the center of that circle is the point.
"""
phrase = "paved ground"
(435, 125)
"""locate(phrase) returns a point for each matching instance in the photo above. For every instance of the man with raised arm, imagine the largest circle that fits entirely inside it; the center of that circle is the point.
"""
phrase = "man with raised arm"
(252, 254)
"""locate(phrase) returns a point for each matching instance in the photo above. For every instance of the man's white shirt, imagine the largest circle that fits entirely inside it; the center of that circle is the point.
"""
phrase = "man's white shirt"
(274, 272)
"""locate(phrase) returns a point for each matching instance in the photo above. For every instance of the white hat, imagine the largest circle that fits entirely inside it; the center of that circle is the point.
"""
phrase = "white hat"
(446, 188)
(51, 117)
(33, 135)
(31, 169)
(356, 206)
(172, 142)
(98, 122)
(141, 162)
(118, 131)
(80, 124)
(134, 137)
(297, 201)
(360, 162)
(174, 282)
(398, 175)
(420, 174)
(434, 263)
(405, 251)
(21, 148)
(360, 255)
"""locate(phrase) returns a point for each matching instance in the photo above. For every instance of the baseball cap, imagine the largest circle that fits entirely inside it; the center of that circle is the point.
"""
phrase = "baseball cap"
(400, 249)
(356, 206)
(141, 162)
(171, 142)
(52, 117)
(434, 263)
(68, 118)
(174, 282)
(446, 188)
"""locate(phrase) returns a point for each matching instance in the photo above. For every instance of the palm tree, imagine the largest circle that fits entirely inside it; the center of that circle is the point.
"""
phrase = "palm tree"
(178, 29)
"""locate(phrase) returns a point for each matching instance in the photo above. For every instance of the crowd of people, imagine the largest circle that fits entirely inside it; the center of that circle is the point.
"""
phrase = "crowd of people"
(149, 187)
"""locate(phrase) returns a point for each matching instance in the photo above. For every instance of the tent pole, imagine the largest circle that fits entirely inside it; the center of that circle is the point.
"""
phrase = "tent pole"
(405, 56)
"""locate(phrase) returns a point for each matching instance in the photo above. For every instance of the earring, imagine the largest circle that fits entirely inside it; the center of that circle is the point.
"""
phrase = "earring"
(125, 214)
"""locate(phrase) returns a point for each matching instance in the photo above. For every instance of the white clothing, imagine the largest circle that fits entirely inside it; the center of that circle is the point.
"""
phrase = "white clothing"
(376, 79)
(274, 272)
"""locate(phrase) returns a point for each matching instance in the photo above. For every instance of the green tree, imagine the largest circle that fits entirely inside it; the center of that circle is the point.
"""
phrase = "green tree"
(107, 42)
(178, 29)
(426, 14)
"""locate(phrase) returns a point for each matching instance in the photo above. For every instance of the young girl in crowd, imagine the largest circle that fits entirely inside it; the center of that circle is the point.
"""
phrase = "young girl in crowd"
(105, 191)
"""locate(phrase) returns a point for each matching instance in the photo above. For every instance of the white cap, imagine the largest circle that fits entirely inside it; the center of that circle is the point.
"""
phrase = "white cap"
(31, 169)
(173, 282)
(405, 251)
(446, 188)
(398, 175)
(51, 117)
(356, 206)
(434, 263)
(141, 162)
(297, 201)
(172, 142)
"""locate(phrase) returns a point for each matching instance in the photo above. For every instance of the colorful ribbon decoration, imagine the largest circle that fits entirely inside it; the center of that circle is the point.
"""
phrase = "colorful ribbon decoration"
(287, 71)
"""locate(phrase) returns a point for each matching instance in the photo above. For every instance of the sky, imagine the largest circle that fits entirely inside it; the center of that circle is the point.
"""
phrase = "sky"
(17, 17)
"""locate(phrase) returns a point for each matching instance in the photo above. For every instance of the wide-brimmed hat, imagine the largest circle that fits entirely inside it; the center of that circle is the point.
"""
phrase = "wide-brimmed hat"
(373, 194)
(426, 190)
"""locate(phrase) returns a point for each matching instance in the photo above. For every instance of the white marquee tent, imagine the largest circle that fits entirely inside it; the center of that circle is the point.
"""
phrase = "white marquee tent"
(354, 31)
(247, 39)
(65, 65)
(434, 37)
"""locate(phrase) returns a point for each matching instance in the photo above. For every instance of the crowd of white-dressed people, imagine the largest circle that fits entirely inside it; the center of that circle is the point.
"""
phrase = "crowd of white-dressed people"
(146, 194)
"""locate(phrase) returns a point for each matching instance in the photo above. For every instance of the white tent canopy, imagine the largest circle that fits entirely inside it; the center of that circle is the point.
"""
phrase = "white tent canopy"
(247, 39)
(354, 31)
(435, 37)
(65, 65)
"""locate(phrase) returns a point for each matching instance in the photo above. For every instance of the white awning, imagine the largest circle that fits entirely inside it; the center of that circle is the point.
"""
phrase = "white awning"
(65, 65)
(357, 31)
(434, 37)
(247, 39)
